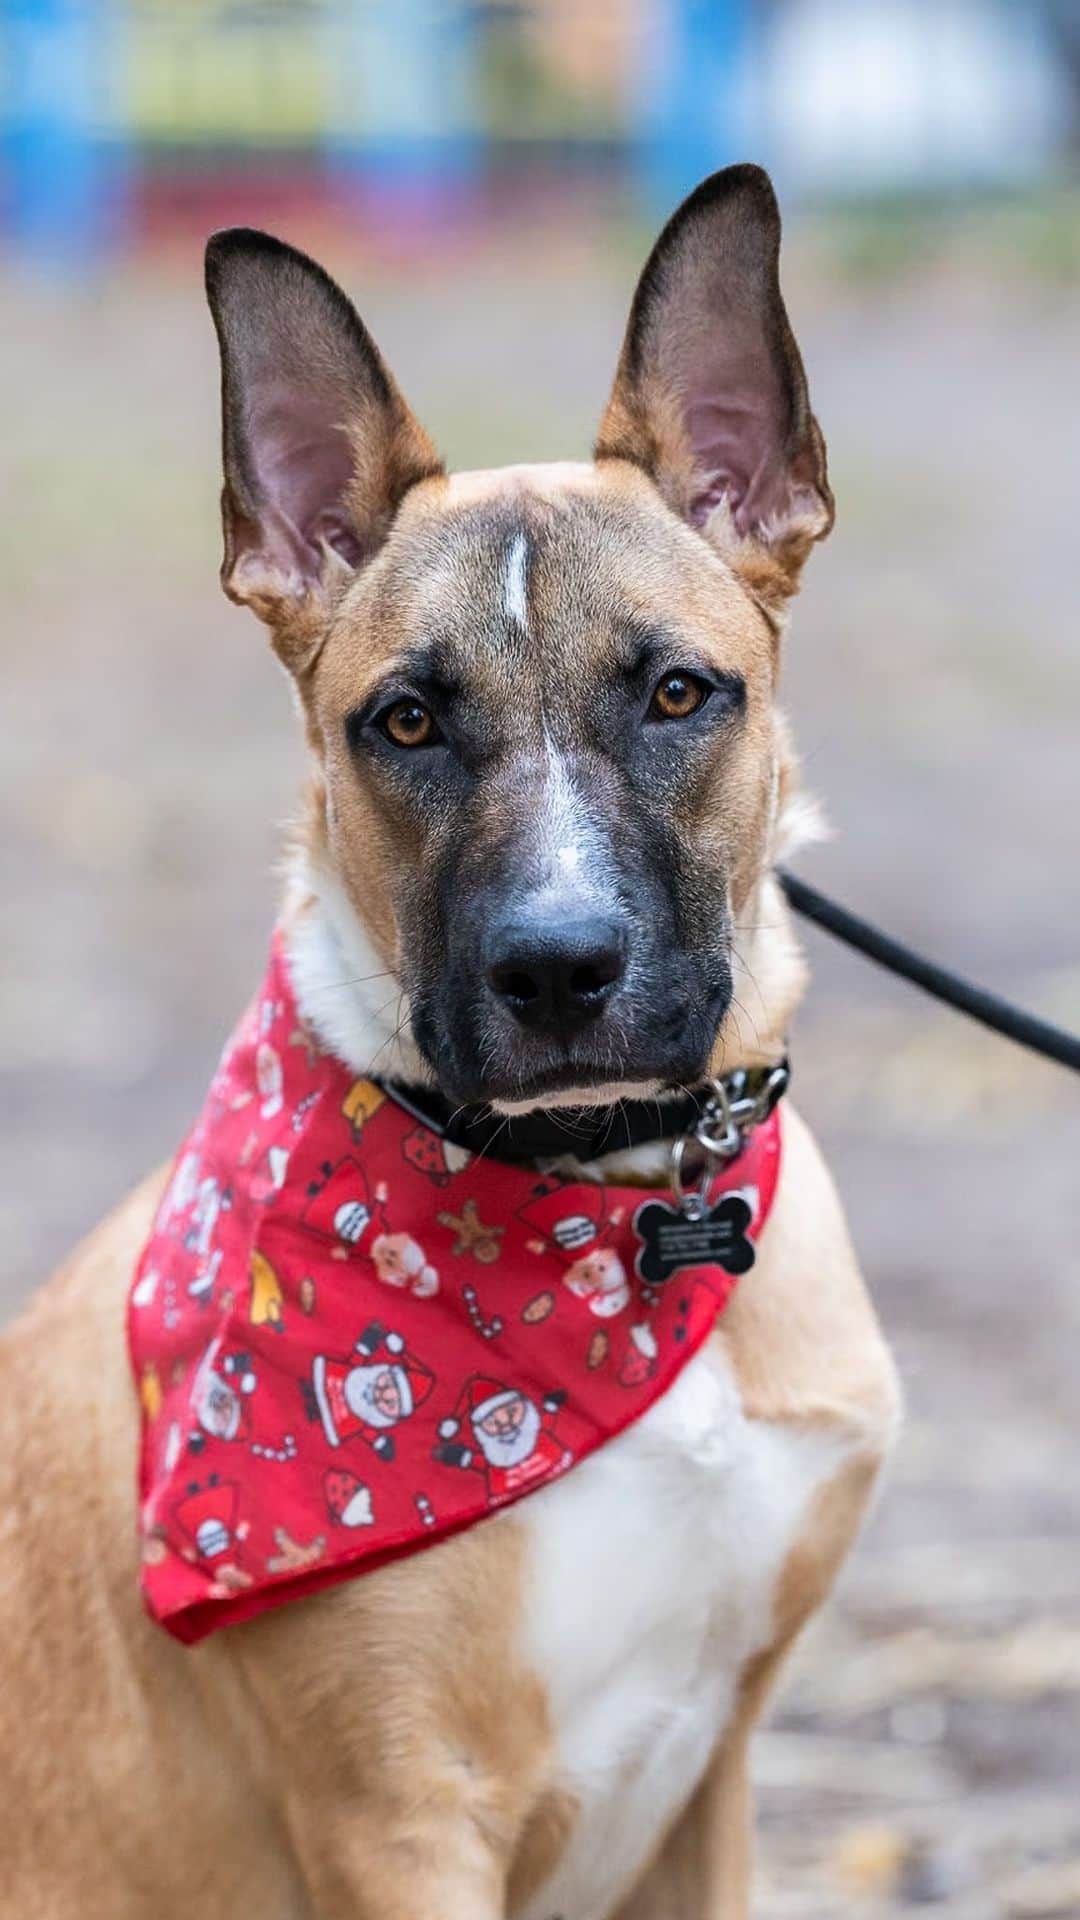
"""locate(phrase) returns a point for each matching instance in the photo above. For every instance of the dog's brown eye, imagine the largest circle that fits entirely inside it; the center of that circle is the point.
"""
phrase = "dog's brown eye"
(677, 697)
(408, 724)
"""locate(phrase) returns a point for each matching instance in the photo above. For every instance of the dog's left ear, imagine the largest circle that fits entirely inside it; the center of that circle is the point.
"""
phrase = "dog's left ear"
(710, 396)
(319, 447)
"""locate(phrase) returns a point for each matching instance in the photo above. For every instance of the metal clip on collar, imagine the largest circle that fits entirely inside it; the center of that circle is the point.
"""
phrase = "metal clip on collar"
(730, 1113)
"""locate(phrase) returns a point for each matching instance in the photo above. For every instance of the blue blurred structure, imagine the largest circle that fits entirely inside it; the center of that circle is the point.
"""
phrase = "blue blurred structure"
(64, 171)
(408, 110)
(691, 105)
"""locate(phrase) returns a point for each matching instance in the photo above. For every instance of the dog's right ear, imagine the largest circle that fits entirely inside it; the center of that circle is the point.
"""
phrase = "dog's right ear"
(319, 447)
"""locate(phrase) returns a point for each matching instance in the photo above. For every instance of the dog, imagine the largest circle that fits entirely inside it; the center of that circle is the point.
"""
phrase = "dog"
(548, 785)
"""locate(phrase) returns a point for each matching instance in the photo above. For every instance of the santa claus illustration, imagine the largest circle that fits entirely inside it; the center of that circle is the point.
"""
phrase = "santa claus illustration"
(366, 1394)
(498, 1431)
(577, 1227)
(340, 1206)
(400, 1261)
(220, 1397)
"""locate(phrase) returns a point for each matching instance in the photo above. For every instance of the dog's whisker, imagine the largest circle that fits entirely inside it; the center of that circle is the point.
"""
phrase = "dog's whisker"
(340, 986)
(483, 1151)
(752, 977)
(748, 1017)
(391, 1038)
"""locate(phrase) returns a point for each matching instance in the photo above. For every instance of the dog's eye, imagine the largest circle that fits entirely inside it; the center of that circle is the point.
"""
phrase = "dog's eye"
(408, 724)
(678, 696)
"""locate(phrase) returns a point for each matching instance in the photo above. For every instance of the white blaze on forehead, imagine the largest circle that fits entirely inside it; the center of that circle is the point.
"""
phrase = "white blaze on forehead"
(516, 581)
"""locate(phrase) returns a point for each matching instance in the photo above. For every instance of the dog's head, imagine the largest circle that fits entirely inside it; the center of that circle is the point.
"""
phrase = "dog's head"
(540, 700)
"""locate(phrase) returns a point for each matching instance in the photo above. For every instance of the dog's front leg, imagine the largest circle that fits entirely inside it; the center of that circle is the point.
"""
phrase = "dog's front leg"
(404, 1743)
(703, 1870)
(370, 1844)
(422, 1869)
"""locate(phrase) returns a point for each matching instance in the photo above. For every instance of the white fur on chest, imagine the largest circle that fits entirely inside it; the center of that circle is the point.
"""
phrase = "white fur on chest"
(651, 1575)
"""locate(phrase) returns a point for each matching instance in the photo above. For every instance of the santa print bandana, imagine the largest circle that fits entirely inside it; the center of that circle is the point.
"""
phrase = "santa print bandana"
(351, 1340)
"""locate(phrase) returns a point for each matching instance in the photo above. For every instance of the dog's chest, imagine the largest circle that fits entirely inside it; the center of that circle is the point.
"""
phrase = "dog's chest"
(652, 1570)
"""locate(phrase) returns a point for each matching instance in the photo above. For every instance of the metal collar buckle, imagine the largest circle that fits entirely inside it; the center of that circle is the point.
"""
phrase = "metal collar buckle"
(732, 1110)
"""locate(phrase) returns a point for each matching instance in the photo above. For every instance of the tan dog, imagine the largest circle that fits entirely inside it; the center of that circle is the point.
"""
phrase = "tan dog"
(549, 783)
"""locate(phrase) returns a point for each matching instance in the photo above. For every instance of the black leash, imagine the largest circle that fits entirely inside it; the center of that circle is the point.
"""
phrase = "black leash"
(1039, 1036)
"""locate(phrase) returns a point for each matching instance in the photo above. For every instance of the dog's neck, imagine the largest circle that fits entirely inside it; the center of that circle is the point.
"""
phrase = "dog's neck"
(353, 1003)
(344, 991)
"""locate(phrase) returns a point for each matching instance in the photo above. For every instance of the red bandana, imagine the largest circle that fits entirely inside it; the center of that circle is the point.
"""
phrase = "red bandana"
(350, 1339)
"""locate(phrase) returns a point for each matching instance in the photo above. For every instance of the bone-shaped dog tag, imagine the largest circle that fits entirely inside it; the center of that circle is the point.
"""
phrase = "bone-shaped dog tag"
(670, 1241)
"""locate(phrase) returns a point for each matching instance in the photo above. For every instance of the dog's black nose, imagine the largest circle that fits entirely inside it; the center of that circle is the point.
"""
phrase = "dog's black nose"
(554, 972)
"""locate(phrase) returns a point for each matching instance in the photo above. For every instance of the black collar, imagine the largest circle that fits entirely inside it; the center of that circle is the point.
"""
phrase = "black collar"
(547, 1133)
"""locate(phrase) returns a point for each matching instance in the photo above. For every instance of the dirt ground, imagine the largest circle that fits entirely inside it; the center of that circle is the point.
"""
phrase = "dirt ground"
(927, 1749)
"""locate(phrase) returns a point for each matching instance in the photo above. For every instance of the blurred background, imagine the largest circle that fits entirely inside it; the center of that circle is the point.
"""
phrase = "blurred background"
(486, 178)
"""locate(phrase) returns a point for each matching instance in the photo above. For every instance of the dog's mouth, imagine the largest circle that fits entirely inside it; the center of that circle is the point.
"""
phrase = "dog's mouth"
(666, 1045)
(577, 1083)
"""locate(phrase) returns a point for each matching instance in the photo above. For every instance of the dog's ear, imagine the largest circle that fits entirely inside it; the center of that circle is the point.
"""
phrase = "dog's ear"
(319, 447)
(710, 395)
